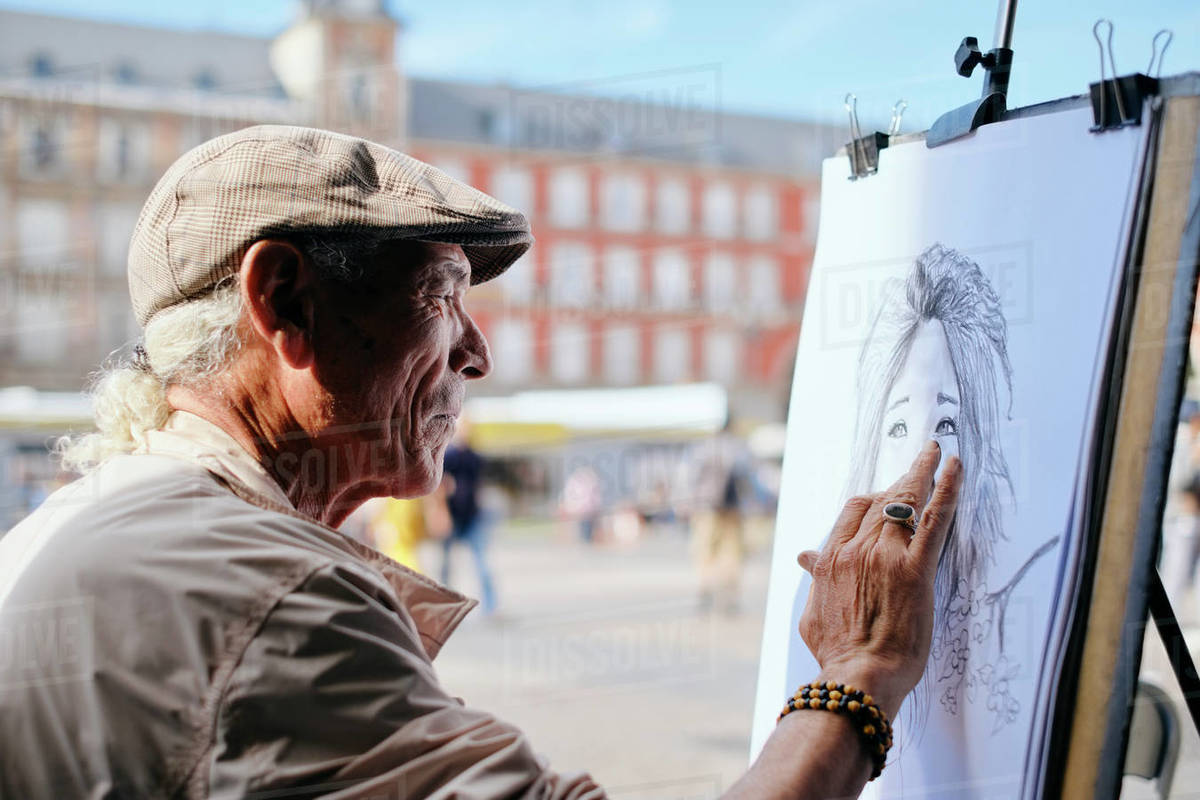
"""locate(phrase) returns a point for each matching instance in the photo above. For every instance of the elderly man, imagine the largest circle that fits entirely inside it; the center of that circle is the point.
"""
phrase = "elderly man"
(185, 621)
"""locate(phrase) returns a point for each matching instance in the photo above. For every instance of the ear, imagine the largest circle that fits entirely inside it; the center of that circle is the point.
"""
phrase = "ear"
(277, 284)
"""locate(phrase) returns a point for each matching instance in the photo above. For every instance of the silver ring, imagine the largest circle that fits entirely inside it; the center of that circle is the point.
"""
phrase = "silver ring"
(901, 513)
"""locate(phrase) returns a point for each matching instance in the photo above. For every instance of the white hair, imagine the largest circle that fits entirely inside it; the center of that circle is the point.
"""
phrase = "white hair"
(183, 346)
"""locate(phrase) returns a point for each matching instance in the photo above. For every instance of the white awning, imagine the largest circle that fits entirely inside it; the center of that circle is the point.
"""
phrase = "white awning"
(700, 407)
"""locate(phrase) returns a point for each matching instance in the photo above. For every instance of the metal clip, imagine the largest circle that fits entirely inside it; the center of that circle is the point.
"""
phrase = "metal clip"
(1127, 93)
(864, 150)
(897, 113)
(1113, 63)
(1156, 54)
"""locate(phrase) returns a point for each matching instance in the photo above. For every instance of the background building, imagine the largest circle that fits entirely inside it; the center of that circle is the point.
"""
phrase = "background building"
(674, 240)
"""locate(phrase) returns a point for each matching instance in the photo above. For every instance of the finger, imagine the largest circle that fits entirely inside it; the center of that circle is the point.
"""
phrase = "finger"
(912, 489)
(931, 534)
(916, 485)
(808, 560)
(850, 520)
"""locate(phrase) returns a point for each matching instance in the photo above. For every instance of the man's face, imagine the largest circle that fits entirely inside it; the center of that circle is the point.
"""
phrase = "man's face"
(394, 353)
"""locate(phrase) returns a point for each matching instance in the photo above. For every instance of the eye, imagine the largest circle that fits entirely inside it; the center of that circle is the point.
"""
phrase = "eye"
(946, 427)
(898, 430)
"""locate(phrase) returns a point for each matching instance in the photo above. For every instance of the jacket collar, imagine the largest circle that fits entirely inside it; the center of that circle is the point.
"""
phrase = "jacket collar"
(436, 609)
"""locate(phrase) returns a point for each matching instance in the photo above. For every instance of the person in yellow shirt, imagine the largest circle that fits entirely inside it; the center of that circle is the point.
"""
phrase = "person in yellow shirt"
(399, 525)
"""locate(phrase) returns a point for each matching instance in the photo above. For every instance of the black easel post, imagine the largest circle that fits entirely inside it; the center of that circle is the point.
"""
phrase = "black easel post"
(1176, 646)
(991, 105)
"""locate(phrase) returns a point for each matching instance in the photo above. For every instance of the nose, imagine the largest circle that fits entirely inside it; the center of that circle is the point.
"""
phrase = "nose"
(471, 356)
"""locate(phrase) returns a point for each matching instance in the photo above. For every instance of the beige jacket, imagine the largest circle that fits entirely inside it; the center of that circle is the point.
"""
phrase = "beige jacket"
(171, 627)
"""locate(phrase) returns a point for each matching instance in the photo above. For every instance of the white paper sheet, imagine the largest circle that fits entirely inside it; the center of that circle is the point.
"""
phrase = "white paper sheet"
(964, 292)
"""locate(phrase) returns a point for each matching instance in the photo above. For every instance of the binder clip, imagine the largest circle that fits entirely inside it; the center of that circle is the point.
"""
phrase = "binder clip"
(864, 150)
(1118, 101)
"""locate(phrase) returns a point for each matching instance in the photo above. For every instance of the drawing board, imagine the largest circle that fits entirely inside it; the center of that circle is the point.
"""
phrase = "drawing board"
(965, 293)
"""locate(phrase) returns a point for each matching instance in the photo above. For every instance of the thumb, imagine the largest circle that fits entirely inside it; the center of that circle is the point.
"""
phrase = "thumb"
(807, 560)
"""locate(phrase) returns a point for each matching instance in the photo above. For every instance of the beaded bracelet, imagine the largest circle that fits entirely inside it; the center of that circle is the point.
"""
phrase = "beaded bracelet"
(869, 721)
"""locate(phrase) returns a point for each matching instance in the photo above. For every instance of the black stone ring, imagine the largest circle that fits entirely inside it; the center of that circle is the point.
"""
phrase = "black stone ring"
(901, 513)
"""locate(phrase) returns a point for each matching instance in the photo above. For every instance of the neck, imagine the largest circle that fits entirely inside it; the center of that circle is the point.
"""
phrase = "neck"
(305, 464)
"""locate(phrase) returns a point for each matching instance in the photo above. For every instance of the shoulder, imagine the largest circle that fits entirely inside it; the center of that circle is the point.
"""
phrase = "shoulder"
(147, 526)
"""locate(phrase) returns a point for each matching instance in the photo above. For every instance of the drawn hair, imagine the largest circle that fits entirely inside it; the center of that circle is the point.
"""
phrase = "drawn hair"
(948, 287)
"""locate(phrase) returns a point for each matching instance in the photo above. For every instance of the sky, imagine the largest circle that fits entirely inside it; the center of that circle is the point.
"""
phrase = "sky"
(789, 59)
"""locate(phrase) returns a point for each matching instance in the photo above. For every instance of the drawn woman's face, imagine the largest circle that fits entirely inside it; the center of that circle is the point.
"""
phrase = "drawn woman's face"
(923, 404)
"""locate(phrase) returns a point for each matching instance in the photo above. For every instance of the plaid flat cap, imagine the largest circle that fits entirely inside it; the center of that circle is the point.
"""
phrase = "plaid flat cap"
(276, 180)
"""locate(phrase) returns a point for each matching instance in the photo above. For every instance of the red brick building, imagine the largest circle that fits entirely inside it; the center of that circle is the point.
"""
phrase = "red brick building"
(674, 239)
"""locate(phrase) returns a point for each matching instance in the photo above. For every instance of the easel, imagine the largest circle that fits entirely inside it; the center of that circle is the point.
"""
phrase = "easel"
(1120, 583)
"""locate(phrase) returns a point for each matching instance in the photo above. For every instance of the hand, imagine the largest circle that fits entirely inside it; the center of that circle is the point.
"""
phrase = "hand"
(869, 616)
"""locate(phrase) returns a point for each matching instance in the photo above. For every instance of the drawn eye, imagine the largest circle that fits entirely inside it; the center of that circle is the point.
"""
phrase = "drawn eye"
(898, 430)
(946, 427)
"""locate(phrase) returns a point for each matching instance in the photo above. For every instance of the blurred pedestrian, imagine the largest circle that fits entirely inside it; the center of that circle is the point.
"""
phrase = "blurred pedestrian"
(719, 485)
(463, 469)
(583, 501)
(1181, 519)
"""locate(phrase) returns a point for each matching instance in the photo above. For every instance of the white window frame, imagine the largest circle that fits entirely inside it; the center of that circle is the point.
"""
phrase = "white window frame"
(622, 277)
(722, 355)
(672, 279)
(572, 274)
(764, 283)
(511, 339)
(569, 200)
(512, 184)
(623, 201)
(673, 205)
(570, 352)
(672, 354)
(622, 354)
(760, 213)
(720, 210)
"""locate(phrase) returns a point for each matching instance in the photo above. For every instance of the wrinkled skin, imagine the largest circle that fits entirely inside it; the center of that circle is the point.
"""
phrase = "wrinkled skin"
(870, 608)
(348, 391)
(396, 365)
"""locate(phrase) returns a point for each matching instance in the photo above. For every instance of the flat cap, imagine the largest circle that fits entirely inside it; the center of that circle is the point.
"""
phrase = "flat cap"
(280, 180)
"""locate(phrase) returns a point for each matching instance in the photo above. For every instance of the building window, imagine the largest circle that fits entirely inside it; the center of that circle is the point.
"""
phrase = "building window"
(519, 281)
(672, 354)
(126, 73)
(41, 65)
(572, 274)
(454, 167)
(672, 279)
(763, 275)
(720, 210)
(720, 282)
(812, 216)
(43, 146)
(569, 352)
(761, 213)
(622, 277)
(568, 198)
(673, 212)
(116, 321)
(124, 150)
(360, 97)
(512, 342)
(514, 185)
(204, 80)
(114, 228)
(622, 354)
(43, 231)
(623, 200)
(43, 328)
(721, 355)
